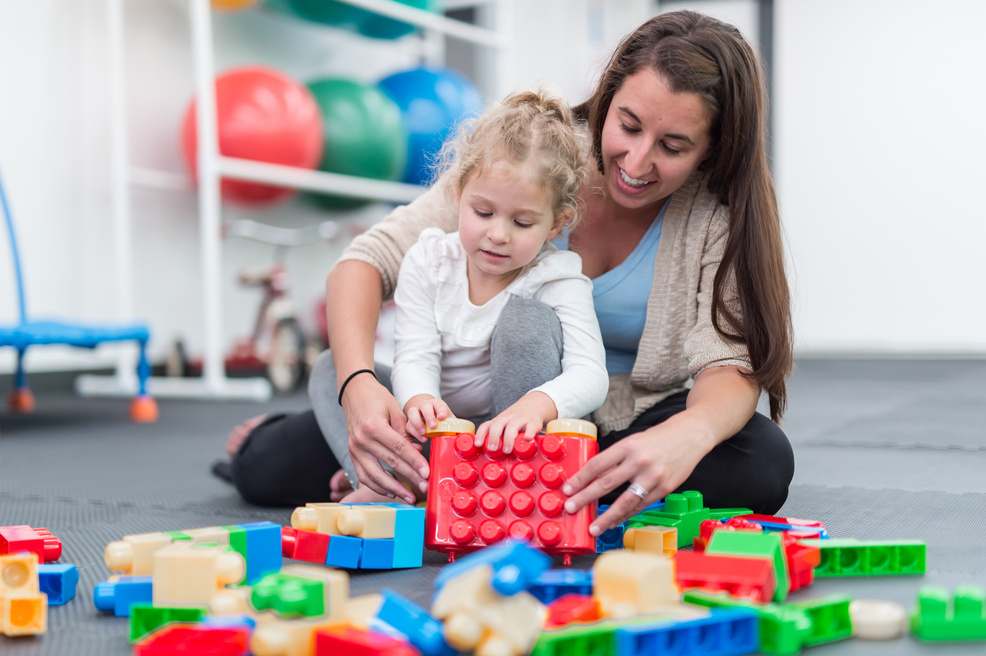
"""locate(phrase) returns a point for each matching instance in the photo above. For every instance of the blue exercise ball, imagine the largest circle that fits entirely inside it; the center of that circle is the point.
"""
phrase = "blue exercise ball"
(432, 102)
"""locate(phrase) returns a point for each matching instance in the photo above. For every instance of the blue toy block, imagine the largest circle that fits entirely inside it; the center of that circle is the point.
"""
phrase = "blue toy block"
(230, 622)
(376, 554)
(730, 632)
(516, 564)
(344, 551)
(413, 622)
(118, 596)
(556, 583)
(611, 538)
(263, 550)
(58, 581)
(775, 527)
(409, 536)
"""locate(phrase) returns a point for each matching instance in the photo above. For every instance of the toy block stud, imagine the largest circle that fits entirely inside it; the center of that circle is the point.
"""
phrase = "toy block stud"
(659, 540)
(452, 426)
(118, 596)
(627, 583)
(143, 410)
(19, 574)
(876, 619)
(940, 617)
(367, 521)
(318, 517)
(20, 401)
(572, 428)
(134, 554)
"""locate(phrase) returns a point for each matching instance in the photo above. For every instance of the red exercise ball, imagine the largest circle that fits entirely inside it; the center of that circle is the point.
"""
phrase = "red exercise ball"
(265, 116)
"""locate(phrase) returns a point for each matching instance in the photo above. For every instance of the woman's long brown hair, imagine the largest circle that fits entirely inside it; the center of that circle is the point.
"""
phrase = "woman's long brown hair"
(698, 54)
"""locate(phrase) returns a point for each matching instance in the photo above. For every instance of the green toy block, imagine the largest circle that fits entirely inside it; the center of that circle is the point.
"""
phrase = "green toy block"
(289, 596)
(237, 542)
(938, 617)
(722, 514)
(783, 630)
(829, 619)
(849, 557)
(755, 545)
(177, 535)
(146, 617)
(597, 639)
(681, 511)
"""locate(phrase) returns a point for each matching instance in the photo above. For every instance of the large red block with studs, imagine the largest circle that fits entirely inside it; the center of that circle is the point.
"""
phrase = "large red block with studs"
(479, 497)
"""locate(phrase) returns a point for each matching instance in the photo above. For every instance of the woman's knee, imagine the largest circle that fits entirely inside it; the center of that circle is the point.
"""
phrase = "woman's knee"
(773, 469)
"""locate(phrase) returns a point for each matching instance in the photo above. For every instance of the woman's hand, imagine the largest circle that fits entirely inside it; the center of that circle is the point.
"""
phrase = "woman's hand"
(377, 432)
(525, 417)
(423, 412)
(658, 460)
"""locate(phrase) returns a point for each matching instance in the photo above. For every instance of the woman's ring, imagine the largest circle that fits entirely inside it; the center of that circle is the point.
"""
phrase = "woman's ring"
(638, 491)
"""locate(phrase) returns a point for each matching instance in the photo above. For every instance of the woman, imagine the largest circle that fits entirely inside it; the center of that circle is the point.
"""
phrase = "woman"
(682, 241)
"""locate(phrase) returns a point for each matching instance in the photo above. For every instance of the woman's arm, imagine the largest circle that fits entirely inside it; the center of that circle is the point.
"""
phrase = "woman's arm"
(662, 457)
(375, 420)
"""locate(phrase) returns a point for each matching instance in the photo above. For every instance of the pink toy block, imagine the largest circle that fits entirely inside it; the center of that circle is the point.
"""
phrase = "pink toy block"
(40, 541)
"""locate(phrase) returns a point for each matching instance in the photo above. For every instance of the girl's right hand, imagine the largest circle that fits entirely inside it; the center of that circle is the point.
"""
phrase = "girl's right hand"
(376, 426)
(423, 412)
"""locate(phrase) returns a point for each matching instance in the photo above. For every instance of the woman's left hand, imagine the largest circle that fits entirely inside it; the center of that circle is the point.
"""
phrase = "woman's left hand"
(656, 461)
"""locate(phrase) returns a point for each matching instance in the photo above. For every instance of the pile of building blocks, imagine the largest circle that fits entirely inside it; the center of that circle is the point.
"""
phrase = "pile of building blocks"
(29, 581)
(479, 496)
(356, 536)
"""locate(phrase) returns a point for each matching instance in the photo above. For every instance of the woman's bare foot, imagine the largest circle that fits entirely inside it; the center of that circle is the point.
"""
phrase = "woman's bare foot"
(366, 495)
(339, 485)
(238, 434)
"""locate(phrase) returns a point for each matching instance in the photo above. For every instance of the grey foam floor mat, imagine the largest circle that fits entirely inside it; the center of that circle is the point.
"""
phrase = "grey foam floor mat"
(80, 469)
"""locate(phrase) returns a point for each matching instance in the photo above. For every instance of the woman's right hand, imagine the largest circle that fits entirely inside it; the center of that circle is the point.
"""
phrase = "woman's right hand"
(377, 433)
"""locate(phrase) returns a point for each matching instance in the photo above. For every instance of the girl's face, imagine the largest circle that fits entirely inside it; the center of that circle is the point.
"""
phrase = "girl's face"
(652, 140)
(505, 216)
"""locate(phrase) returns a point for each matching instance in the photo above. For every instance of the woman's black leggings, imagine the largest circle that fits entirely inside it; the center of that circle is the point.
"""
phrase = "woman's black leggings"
(284, 462)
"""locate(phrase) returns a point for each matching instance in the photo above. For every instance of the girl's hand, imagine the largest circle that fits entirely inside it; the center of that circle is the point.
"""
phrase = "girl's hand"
(658, 460)
(525, 417)
(377, 425)
(423, 412)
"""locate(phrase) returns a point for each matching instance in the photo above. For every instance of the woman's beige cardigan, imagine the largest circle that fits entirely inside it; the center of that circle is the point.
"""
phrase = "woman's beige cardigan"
(678, 340)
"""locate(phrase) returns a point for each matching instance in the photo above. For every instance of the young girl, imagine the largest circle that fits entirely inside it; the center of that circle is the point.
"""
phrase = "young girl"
(514, 177)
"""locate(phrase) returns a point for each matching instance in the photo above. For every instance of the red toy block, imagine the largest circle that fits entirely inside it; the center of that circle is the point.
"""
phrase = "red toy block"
(709, 526)
(289, 537)
(348, 640)
(802, 560)
(194, 639)
(310, 546)
(39, 541)
(572, 608)
(740, 577)
(478, 497)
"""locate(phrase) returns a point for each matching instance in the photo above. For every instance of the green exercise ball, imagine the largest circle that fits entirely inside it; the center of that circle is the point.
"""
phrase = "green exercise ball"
(364, 134)
(329, 12)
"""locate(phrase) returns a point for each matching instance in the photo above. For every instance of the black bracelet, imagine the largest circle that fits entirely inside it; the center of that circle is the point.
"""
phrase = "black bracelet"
(351, 376)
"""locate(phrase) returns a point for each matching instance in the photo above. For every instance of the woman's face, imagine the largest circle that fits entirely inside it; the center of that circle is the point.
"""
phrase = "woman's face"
(652, 140)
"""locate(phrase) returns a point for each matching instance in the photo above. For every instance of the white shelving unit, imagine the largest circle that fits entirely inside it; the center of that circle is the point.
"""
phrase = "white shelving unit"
(212, 167)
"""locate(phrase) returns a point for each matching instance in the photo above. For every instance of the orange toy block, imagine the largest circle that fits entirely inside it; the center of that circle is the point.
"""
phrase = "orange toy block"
(23, 607)
(186, 574)
(659, 540)
(630, 583)
(134, 554)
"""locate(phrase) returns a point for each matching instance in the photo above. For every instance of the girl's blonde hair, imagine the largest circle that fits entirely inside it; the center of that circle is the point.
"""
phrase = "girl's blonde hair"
(527, 126)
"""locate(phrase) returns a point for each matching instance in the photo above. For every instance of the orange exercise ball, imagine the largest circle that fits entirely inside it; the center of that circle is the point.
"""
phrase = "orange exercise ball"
(263, 115)
(232, 5)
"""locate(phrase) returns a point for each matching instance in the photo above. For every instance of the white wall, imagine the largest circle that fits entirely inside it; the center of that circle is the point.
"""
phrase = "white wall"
(877, 141)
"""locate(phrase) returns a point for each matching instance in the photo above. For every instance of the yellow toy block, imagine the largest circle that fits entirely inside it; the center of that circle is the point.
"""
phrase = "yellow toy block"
(660, 540)
(278, 637)
(361, 610)
(215, 534)
(477, 618)
(334, 582)
(19, 574)
(186, 574)
(24, 613)
(318, 517)
(368, 522)
(630, 583)
(134, 554)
